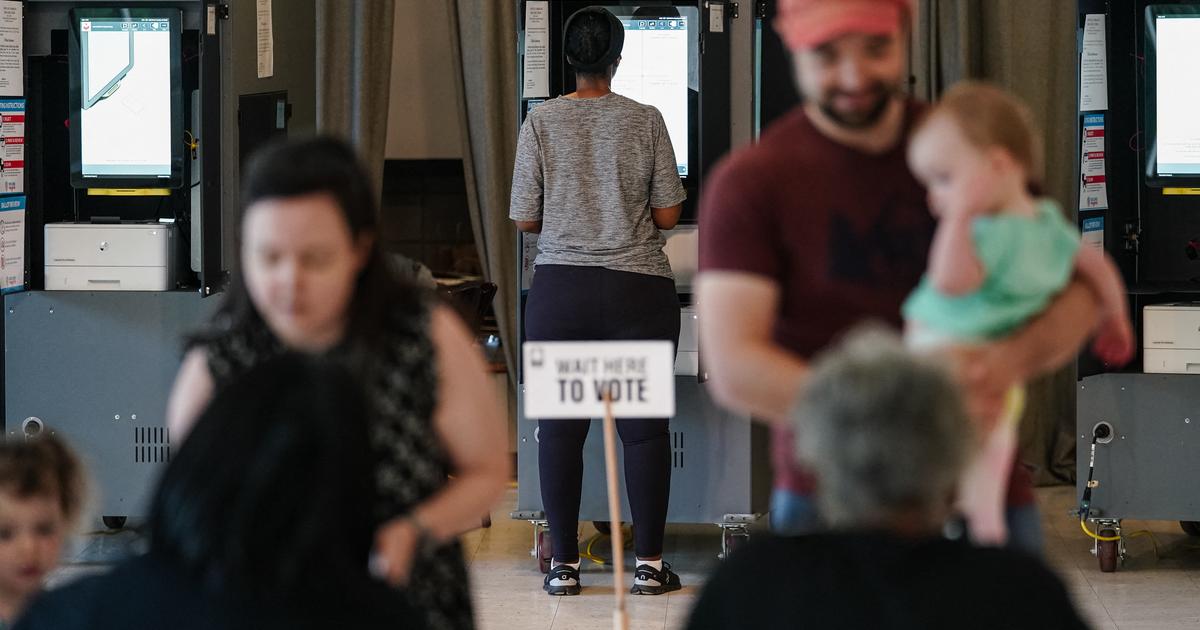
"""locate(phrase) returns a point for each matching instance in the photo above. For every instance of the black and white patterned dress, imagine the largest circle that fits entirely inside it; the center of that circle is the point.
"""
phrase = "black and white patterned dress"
(400, 381)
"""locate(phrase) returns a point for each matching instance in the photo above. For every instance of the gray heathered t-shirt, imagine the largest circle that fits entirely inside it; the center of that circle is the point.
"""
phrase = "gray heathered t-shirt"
(590, 170)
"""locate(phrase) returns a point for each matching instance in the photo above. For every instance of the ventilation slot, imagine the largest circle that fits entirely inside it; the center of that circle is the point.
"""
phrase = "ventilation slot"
(151, 445)
(677, 449)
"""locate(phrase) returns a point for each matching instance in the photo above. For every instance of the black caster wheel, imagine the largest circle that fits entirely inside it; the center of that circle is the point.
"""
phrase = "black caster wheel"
(114, 522)
(1106, 551)
(604, 527)
(1191, 528)
(545, 552)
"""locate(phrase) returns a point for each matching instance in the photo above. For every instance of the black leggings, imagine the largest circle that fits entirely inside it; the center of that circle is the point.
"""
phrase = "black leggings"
(568, 303)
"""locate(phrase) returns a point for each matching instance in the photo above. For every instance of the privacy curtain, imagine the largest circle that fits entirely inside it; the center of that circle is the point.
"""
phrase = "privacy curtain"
(1028, 47)
(354, 64)
(485, 55)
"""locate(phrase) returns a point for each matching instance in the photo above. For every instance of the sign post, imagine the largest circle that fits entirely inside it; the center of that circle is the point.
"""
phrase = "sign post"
(585, 379)
(620, 616)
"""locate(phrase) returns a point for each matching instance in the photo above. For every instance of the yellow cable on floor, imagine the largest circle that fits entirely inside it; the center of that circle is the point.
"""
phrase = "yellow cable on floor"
(587, 553)
(1083, 526)
(587, 550)
(1153, 540)
(1144, 532)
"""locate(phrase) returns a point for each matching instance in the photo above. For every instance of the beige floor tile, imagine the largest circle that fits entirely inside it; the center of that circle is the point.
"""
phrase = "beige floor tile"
(600, 618)
(1147, 592)
(679, 607)
(1151, 606)
(506, 610)
(1188, 624)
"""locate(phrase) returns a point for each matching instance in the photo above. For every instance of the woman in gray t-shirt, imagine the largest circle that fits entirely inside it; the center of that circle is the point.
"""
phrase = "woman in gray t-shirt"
(596, 177)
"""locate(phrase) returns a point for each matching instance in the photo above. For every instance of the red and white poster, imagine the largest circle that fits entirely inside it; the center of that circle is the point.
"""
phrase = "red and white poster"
(1093, 187)
(12, 146)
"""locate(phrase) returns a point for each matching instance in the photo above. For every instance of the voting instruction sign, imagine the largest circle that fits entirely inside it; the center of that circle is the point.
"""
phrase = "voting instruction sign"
(567, 379)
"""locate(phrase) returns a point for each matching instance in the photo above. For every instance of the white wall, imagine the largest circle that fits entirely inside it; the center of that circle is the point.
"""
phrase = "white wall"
(423, 118)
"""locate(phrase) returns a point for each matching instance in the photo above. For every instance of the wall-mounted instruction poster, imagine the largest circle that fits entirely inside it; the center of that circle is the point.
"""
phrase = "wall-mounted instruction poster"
(12, 244)
(1093, 66)
(537, 50)
(1093, 233)
(12, 146)
(1093, 186)
(265, 38)
(12, 55)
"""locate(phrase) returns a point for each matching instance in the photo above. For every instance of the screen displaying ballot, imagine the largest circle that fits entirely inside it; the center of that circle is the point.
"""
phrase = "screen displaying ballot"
(654, 71)
(125, 87)
(1178, 95)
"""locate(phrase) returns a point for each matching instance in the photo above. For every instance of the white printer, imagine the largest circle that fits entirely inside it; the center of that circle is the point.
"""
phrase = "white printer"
(1171, 338)
(683, 252)
(687, 355)
(110, 256)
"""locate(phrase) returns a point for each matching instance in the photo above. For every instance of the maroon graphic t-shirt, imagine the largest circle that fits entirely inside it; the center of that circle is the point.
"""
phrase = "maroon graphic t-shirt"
(845, 234)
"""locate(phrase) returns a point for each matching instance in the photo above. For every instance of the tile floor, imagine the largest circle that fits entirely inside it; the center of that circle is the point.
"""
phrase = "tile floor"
(1160, 592)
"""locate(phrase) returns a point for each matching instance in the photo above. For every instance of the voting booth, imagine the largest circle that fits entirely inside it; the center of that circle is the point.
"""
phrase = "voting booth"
(1136, 430)
(119, 225)
(679, 57)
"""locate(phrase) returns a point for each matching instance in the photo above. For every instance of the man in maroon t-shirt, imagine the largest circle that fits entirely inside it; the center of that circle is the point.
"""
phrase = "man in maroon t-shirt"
(821, 226)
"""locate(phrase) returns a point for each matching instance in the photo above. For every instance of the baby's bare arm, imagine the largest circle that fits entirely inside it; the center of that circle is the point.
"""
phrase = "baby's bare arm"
(954, 267)
(1097, 270)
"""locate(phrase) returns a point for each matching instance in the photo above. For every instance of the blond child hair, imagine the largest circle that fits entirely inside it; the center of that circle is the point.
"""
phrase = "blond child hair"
(990, 117)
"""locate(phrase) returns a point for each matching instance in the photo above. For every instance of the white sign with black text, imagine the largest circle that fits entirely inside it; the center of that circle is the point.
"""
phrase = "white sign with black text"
(537, 50)
(12, 48)
(567, 379)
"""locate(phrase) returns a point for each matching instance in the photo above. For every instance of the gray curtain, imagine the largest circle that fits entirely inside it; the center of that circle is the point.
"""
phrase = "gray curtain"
(354, 64)
(1028, 47)
(946, 45)
(485, 53)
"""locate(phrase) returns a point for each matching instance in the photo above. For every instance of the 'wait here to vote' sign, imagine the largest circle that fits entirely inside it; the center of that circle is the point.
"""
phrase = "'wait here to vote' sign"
(567, 379)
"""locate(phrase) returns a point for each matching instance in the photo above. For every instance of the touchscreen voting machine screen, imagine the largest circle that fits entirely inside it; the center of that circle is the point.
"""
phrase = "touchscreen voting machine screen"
(1173, 94)
(658, 67)
(126, 110)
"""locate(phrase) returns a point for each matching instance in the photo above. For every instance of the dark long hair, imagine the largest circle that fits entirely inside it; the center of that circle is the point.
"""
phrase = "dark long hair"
(270, 497)
(294, 168)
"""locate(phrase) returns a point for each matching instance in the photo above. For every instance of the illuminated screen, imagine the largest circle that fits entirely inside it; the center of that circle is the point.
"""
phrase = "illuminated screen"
(125, 87)
(654, 71)
(1178, 95)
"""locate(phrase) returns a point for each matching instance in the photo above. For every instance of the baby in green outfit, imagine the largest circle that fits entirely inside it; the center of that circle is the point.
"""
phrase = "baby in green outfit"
(999, 257)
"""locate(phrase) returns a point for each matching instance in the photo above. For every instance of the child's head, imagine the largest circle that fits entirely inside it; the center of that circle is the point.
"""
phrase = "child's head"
(976, 149)
(41, 496)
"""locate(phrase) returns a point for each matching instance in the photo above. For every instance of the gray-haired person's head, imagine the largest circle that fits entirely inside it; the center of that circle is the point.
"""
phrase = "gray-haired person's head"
(885, 432)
